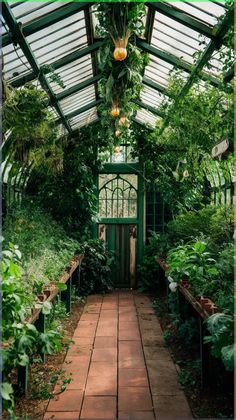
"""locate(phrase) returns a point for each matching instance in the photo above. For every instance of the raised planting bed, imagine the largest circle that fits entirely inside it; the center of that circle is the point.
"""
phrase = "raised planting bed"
(203, 305)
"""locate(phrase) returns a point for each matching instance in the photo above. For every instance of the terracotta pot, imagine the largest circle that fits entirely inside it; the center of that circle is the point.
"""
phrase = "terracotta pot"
(185, 283)
(41, 297)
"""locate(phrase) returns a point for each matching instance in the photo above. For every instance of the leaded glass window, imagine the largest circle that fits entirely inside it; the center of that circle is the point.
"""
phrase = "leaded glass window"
(117, 196)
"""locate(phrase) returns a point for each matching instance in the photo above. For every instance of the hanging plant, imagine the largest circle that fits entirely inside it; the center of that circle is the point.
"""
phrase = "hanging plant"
(120, 21)
(115, 112)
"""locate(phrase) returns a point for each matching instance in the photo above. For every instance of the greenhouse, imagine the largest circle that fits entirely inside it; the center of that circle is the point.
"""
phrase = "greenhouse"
(117, 210)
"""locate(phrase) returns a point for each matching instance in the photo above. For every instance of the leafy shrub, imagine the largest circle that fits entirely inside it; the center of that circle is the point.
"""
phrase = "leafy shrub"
(148, 271)
(96, 268)
(189, 331)
(45, 247)
(194, 263)
(211, 221)
(21, 340)
(221, 328)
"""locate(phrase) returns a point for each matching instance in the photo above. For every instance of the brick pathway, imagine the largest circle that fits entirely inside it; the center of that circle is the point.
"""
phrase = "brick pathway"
(119, 364)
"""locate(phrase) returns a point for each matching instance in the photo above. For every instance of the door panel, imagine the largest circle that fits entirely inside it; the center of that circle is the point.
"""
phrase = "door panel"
(121, 239)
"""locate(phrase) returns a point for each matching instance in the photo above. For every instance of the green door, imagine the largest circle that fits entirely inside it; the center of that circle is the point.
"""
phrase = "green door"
(121, 239)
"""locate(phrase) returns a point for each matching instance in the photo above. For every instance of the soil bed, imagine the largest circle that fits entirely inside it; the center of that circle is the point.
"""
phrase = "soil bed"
(42, 376)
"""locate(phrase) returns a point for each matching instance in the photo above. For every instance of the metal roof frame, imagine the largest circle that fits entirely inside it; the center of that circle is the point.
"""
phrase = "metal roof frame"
(18, 35)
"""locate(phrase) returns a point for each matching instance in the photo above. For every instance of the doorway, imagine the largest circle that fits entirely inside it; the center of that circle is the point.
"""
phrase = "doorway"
(120, 224)
(122, 240)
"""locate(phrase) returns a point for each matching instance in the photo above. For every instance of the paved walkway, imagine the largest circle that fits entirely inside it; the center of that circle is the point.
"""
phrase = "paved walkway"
(120, 365)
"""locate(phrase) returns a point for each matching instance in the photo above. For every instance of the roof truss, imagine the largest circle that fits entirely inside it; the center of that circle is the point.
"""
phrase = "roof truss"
(18, 34)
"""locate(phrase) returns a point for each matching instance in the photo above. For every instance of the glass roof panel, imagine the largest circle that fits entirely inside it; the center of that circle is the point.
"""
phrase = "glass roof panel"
(74, 73)
(152, 97)
(146, 117)
(175, 38)
(77, 101)
(159, 71)
(205, 11)
(26, 11)
(56, 31)
(83, 119)
(15, 63)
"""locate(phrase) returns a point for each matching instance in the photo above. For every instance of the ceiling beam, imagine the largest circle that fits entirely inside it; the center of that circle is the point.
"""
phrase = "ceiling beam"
(76, 88)
(150, 108)
(16, 31)
(81, 110)
(47, 20)
(182, 17)
(69, 58)
(229, 75)
(175, 61)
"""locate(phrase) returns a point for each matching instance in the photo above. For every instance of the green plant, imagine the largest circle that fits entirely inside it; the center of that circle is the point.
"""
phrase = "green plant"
(221, 328)
(194, 263)
(33, 135)
(189, 331)
(214, 222)
(189, 376)
(148, 271)
(96, 268)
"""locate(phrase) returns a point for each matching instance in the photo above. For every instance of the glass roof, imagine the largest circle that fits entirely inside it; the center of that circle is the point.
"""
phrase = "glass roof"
(57, 33)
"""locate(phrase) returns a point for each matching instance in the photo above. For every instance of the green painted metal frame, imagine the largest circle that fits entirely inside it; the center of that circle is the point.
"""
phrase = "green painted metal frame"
(18, 35)
(172, 59)
(125, 168)
(181, 17)
(57, 64)
(80, 110)
(76, 88)
(220, 32)
(150, 108)
(49, 19)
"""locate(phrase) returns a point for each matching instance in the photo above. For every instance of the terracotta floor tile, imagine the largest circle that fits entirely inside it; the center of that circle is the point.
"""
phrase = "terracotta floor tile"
(105, 385)
(106, 332)
(60, 415)
(109, 305)
(89, 317)
(128, 325)
(130, 348)
(132, 377)
(172, 407)
(105, 342)
(99, 408)
(85, 332)
(83, 341)
(67, 401)
(134, 399)
(136, 415)
(76, 350)
(75, 363)
(78, 381)
(131, 363)
(102, 369)
(127, 317)
(105, 355)
(129, 335)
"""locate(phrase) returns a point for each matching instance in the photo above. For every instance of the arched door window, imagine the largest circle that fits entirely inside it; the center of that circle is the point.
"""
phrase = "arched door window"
(117, 196)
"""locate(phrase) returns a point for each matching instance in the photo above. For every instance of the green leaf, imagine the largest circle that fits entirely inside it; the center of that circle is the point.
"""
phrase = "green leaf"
(6, 391)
